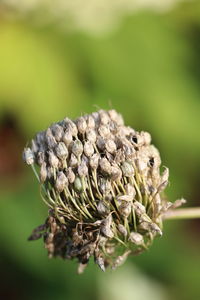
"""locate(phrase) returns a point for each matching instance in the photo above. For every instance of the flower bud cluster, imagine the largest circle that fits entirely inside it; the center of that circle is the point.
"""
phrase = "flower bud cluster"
(102, 183)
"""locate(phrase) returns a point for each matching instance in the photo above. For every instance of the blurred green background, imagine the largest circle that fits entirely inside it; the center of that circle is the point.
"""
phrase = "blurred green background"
(68, 58)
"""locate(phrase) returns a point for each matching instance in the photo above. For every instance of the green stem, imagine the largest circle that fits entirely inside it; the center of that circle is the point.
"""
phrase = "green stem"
(182, 213)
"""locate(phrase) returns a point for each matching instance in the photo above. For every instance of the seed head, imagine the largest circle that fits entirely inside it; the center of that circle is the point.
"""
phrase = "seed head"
(102, 183)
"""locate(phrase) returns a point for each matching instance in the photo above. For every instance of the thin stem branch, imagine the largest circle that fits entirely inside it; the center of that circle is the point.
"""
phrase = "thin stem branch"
(183, 213)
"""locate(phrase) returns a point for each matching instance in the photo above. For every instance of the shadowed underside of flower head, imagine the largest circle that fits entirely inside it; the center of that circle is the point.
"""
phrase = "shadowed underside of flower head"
(101, 181)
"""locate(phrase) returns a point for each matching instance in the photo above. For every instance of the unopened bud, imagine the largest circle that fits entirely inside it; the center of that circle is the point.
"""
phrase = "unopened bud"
(104, 131)
(130, 190)
(90, 122)
(78, 184)
(104, 118)
(102, 208)
(110, 146)
(146, 137)
(94, 161)
(57, 131)
(34, 146)
(100, 143)
(81, 125)
(43, 172)
(28, 156)
(127, 169)
(61, 182)
(125, 208)
(91, 135)
(139, 208)
(67, 137)
(77, 148)
(116, 173)
(53, 160)
(61, 151)
(82, 169)
(50, 139)
(104, 186)
(105, 165)
(155, 229)
(113, 114)
(88, 149)
(106, 227)
(136, 238)
(70, 175)
(71, 126)
(122, 229)
(100, 262)
(40, 157)
(73, 161)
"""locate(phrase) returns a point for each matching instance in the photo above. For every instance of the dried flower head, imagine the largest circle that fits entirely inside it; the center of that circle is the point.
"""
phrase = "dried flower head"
(101, 181)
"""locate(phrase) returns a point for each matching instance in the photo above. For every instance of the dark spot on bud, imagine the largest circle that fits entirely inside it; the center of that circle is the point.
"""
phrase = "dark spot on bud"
(134, 139)
(151, 161)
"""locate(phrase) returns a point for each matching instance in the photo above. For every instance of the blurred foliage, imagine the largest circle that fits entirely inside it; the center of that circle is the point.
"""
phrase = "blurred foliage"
(148, 69)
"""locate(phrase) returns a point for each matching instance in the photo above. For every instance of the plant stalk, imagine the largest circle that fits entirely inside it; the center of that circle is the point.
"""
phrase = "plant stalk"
(182, 213)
